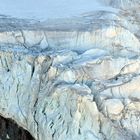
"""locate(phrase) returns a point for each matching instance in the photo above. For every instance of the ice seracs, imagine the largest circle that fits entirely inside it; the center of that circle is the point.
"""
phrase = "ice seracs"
(72, 79)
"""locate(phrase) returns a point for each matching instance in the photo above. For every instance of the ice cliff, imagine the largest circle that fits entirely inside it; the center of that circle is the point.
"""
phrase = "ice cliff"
(73, 79)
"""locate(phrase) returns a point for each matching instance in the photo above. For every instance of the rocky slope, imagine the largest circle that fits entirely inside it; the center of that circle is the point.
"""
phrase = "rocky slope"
(73, 79)
(9, 130)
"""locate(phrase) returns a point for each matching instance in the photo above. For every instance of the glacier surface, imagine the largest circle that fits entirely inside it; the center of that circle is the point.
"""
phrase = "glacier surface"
(75, 78)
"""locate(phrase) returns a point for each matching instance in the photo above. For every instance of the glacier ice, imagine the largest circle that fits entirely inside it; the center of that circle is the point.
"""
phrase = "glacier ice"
(73, 78)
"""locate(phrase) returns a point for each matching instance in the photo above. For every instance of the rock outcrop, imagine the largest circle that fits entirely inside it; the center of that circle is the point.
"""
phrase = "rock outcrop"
(72, 79)
(9, 130)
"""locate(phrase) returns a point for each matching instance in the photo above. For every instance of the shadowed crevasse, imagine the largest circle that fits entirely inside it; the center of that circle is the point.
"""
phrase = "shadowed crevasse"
(9, 130)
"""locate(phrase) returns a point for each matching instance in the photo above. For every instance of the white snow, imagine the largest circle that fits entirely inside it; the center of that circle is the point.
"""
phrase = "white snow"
(45, 9)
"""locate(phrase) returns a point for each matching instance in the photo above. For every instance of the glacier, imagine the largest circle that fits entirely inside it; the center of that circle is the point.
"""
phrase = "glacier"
(76, 77)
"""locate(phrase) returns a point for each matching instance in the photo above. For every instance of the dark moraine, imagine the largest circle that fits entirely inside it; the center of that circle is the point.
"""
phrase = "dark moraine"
(9, 130)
